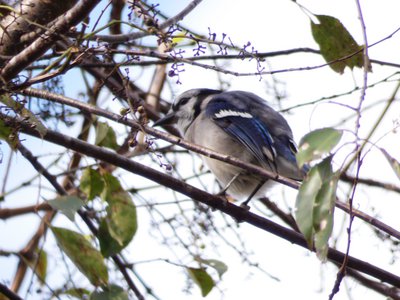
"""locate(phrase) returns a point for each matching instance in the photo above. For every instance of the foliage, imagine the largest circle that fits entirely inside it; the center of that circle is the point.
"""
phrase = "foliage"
(336, 43)
(115, 200)
(86, 258)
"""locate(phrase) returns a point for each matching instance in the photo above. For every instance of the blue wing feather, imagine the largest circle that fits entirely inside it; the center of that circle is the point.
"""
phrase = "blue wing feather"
(244, 127)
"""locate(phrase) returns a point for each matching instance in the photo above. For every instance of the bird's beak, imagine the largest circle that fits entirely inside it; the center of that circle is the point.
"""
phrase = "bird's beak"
(168, 119)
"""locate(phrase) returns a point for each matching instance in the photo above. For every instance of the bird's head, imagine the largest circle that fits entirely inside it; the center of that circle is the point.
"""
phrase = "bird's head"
(186, 108)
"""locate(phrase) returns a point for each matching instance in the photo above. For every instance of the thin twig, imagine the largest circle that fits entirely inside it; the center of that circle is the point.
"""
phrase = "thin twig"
(342, 270)
(121, 38)
(60, 190)
(371, 182)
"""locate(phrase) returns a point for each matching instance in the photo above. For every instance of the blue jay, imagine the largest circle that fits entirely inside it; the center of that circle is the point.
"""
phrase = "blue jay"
(239, 124)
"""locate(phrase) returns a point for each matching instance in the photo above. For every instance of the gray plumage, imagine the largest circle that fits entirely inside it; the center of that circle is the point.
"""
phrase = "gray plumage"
(242, 125)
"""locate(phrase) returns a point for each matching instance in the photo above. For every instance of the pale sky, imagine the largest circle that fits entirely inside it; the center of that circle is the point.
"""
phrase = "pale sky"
(270, 26)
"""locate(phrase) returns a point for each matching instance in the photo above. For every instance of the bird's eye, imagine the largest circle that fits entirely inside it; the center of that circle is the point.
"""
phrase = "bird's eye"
(183, 101)
(293, 147)
(180, 103)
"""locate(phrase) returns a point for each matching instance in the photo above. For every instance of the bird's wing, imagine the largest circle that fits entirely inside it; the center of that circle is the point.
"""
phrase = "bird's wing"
(244, 127)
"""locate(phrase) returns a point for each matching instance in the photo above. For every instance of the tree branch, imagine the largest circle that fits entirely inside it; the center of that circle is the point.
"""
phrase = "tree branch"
(9, 293)
(6, 213)
(46, 40)
(216, 202)
(25, 18)
(371, 182)
(389, 291)
(60, 190)
(121, 38)
(198, 149)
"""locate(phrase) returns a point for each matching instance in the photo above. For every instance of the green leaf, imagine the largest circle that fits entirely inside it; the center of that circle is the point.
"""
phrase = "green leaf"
(39, 265)
(68, 205)
(112, 292)
(111, 184)
(305, 204)
(218, 265)
(92, 183)
(26, 114)
(121, 216)
(393, 162)
(178, 39)
(335, 43)
(108, 245)
(101, 132)
(9, 135)
(317, 143)
(323, 216)
(105, 136)
(85, 257)
(5, 130)
(79, 293)
(202, 279)
(315, 206)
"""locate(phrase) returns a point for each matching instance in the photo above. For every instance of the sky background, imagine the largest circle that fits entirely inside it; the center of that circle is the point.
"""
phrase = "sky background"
(291, 272)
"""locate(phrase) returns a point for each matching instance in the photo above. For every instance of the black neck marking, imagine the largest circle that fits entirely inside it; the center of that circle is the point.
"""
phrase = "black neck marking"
(200, 98)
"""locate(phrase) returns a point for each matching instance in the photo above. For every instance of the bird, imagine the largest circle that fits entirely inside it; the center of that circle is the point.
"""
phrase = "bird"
(240, 124)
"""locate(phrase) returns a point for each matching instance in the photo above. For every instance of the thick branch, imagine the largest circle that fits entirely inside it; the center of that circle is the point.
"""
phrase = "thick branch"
(162, 135)
(47, 40)
(8, 293)
(6, 213)
(25, 19)
(213, 201)
(200, 150)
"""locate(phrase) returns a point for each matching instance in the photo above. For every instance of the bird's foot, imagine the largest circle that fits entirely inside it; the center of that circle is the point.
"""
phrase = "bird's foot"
(245, 206)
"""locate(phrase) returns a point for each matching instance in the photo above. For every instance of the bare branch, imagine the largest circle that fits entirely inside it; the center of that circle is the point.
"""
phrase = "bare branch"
(60, 190)
(6, 213)
(371, 182)
(216, 202)
(8, 293)
(200, 150)
(120, 38)
(25, 18)
(46, 40)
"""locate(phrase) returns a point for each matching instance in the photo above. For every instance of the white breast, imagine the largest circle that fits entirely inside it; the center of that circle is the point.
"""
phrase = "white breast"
(216, 139)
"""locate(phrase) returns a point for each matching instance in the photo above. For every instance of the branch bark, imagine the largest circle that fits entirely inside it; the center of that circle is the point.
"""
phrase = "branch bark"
(216, 202)
(8, 293)
(25, 19)
(200, 150)
(46, 40)
(121, 38)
